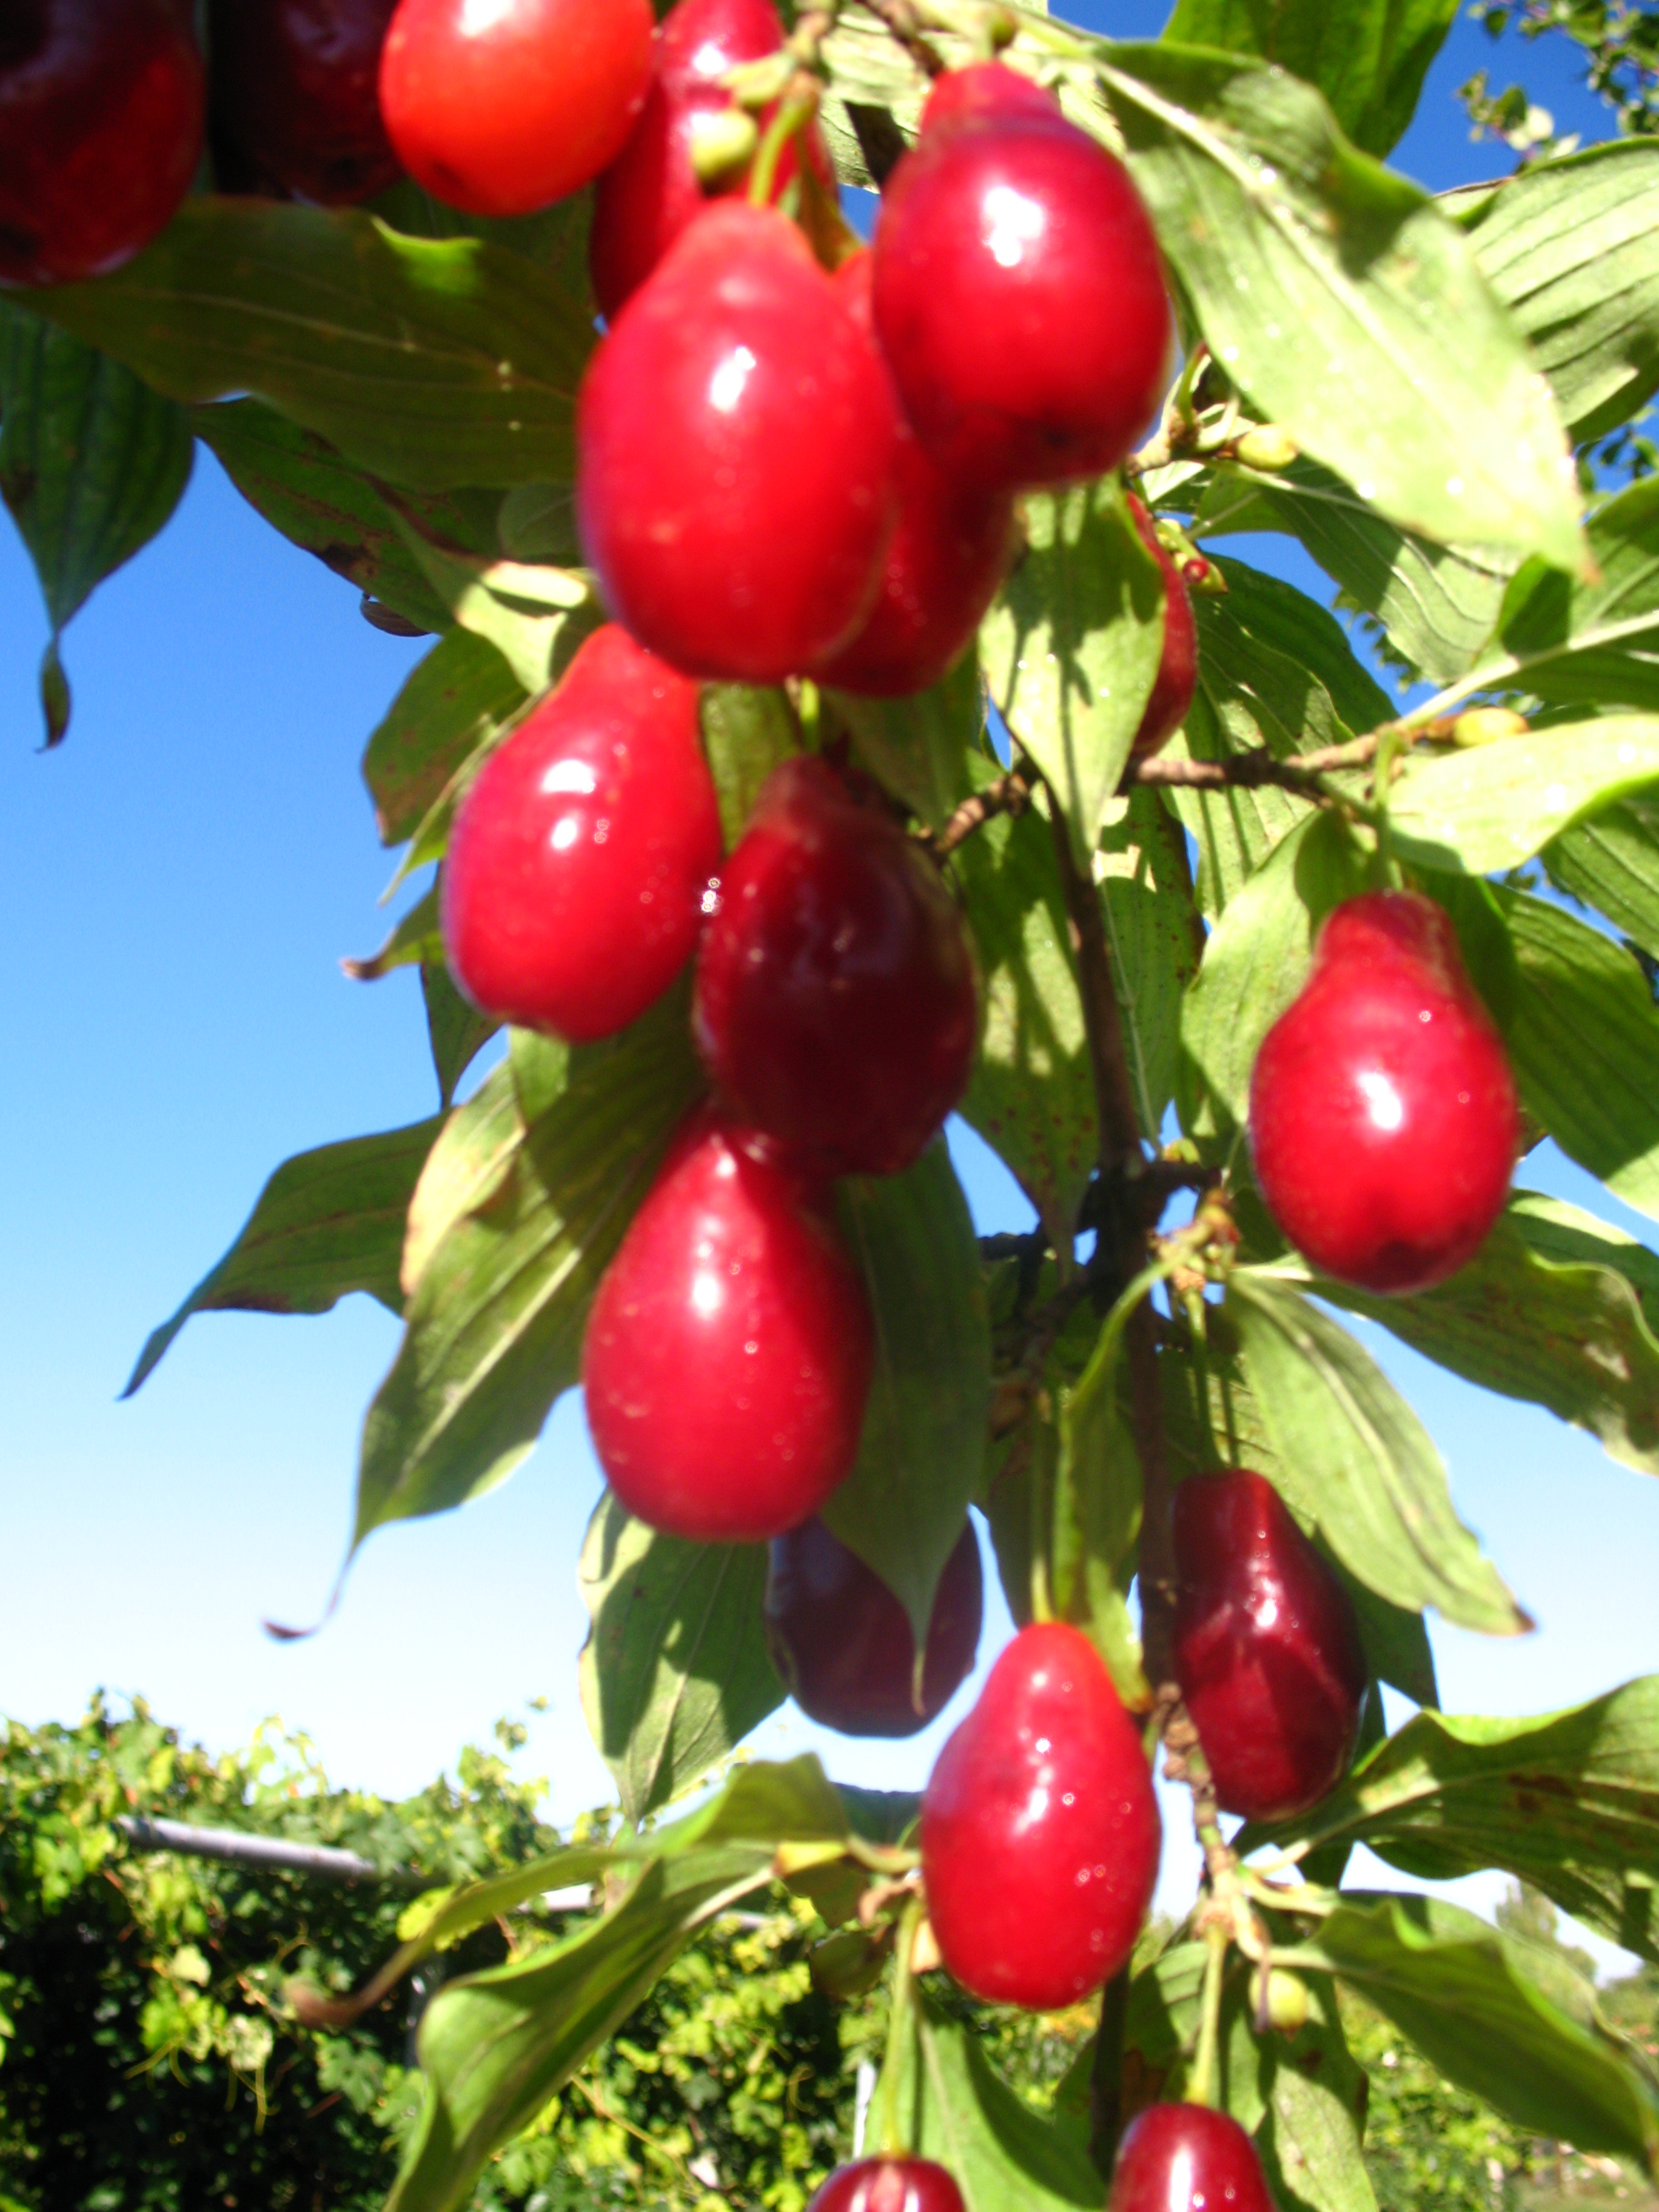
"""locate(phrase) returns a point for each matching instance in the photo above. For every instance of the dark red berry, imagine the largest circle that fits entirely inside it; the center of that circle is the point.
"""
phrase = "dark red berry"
(296, 94)
(1040, 1831)
(945, 562)
(1019, 296)
(888, 2184)
(579, 860)
(835, 1007)
(1186, 2158)
(1177, 667)
(734, 474)
(842, 1640)
(1383, 1112)
(1267, 1650)
(729, 1350)
(101, 131)
(502, 106)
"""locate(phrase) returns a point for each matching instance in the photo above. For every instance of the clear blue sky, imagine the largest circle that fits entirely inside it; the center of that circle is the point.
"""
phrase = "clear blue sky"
(179, 883)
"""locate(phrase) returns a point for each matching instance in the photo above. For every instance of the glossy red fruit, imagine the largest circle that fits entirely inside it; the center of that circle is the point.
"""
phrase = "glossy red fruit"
(1383, 1112)
(579, 860)
(295, 95)
(1267, 1650)
(835, 1007)
(1186, 2158)
(101, 131)
(1017, 223)
(502, 106)
(946, 560)
(650, 192)
(1177, 668)
(888, 2184)
(728, 1351)
(1039, 1833)
(842, 1641)
(734, 472)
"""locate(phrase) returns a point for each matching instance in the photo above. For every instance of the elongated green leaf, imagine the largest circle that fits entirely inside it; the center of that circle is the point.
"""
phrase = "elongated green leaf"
(1156, 941)
(1610, 861)
(747, 730)
(1097, 1502)
(1572, 247)
(1161, 2027)
(464, 1171)
(535, 617)
(431, 363)
(414, 940)
(904, 1506)
(452, 704)
(675, 1671)
(1359, 1459)
(1309, 2143)
(496, 1318)
(1311, 268)
(92, 465)
(1071, 646)
(455, 1029)
(924, 748)
(327, 1222)
(1496, 805)
(1261, 615)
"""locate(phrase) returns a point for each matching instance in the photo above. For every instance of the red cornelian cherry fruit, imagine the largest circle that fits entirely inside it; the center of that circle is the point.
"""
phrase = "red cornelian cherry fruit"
(835, 1008)
(295, 95)
(843, 1643)
(1383, 1120)
(1267, 1646)
(734, 440)
(1187, 2158)
(101, 129)
(1008, 219)
(1040, 1831)
(1177, 668)
(579, 859)
(650, 192)
(729, 1349)
(944, 561)
(502, 106)
(888, 2184)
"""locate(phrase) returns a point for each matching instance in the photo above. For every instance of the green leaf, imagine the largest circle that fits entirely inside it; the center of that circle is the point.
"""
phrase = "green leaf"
(769, 1802)
(431, 363)
(465, 1170)
(455, 1029)
(496, 1318)
(675, 1671)
(454, 703)
(1071, 646)
(925, 749)
(537, 522)
(1568, 1802)
(1311, 2141)
(1155, 940)
(414, 940)
(1097, 1502)
(904, 1506)
(1313, 269)
(1494, 807)
(327, 1222)
(746, 732)
(1571, 248)
(535, 617)
(1353, 1451)
(1610, 861)
(92, 465)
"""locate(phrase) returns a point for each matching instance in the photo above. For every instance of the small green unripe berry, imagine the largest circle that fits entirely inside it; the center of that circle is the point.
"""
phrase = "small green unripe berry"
(723, 145)
(1485, 726)
(1287, 2006)
(1268, 448)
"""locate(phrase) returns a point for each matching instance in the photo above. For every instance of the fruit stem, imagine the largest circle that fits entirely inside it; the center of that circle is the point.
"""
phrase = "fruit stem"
(892, 2137)
(1203, 2084)
(904, 26)
(795, 111)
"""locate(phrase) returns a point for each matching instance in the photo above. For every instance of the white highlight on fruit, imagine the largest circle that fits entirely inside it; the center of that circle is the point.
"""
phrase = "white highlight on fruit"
(1011, 223)
(725, 385)
(708, 1294)
(1383, 1101)
(570, 775)
(479, 17)
(566, 830)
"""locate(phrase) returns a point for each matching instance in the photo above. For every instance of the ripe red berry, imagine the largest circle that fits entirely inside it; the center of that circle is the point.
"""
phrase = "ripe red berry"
(1039, 1833)
(295, 95)
(500, 106)
(650, 192)
(1186, 2158)
(1177, 667)
(944, 561)
(1383, 1112)
(729, 1350)
(101, 131)
(842, 1640)
(1015, 223)
(734, 472)
(1267, 1650)
(888, 2184)
(835, 1007)
(579, 859)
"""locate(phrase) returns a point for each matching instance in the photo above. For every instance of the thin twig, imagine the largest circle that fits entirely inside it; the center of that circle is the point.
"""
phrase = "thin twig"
(1009, 795)
(904, 24)
(1248, 771)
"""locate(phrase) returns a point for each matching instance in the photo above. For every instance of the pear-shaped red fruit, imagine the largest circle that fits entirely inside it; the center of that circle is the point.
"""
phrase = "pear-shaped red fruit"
(1267, 1646)
(1040, 1831)
(1018, 291)
(734, 472)
(580, 857)
(295, 95)
(1186, 2158)
(728, 1351)
(1383, 1120)
(888, 2184)
(101, 131)
(835, 1006)
(842, 1641)
(1177, 668)
(945, 562)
